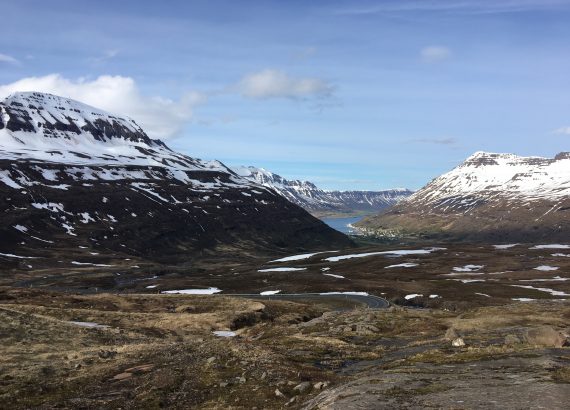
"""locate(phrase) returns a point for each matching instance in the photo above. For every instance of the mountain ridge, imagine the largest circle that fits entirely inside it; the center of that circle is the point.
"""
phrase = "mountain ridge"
(319, 201)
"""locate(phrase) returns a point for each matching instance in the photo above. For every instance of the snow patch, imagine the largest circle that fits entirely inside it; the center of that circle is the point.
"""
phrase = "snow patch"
(334, 276)
(546, 268)
(395, 253)
(269, 292)
(209, 291)
(402, 265)
(224, 333)
(281, 269)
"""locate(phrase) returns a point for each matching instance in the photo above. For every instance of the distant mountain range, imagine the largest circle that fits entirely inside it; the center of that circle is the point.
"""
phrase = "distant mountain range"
(321, 202)
(75, 177)
(502, 197)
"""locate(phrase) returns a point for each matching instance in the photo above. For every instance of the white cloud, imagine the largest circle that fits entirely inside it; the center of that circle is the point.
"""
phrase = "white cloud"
(562, 131)
(277, 84)
(160, 117)
(434, 54)
(5, 58)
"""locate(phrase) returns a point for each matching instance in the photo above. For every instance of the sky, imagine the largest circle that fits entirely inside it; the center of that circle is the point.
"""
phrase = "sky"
(355, 94)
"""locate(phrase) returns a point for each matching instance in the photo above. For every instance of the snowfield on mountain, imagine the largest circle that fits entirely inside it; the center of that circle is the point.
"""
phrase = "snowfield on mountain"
(498, 197)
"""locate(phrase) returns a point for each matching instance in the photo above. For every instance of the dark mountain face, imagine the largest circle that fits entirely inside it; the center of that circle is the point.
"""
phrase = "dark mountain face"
(318, 201)
(72, 176)
(498, 197)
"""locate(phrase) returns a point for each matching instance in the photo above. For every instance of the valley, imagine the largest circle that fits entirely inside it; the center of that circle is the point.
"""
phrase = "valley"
(133, 276)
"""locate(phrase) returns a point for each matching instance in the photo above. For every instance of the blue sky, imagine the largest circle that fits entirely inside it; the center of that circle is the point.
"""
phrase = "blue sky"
(349, 94)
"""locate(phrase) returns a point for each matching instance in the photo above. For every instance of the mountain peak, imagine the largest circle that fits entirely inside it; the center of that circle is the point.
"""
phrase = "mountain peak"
(32, 117)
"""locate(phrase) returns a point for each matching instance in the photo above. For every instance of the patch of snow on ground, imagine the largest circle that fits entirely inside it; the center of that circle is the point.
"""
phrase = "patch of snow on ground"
(151, 286)
(325, 269)
(413, 296)
(101, 265)
(209, 291)
(508, 246)
(563, 255)
(298, 257)
(269, 292)
(546, 268)
(434, 296)
(334, 276)
(281, 269)
(468, 268)
(224, 333)
(552, 246)
(483, 294)
(523, 299)
(554, 279)
(10, 255)
(551, 291)
(402, 265)
(468, 280)
(21, 228)
(88, 324)
(402, 252)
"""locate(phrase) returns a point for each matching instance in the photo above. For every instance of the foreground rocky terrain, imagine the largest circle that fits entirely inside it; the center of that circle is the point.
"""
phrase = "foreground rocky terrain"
(72, 176)
(320, 202)
(490, 197)
(160, 351)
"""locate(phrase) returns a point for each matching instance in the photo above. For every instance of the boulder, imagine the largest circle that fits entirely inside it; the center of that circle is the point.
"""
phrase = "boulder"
(545, 336)
(302, 387)
(458, 342)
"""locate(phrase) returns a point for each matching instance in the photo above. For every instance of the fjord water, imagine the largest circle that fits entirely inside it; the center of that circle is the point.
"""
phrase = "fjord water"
(342, 224)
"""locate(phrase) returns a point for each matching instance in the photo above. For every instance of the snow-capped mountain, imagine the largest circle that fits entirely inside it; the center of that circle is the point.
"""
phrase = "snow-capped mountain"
(318, 201)
(75, 176)
(502, 195)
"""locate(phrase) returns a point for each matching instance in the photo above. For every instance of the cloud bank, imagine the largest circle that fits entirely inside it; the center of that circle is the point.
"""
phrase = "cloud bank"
(160, 117)
(267, 84)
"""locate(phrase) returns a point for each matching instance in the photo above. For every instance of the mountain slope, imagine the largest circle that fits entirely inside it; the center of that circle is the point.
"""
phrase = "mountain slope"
(72, 176)
(495, 196)
(318, 201)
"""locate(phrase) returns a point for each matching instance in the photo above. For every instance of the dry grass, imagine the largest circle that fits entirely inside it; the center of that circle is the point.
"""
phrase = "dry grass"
(48, 361)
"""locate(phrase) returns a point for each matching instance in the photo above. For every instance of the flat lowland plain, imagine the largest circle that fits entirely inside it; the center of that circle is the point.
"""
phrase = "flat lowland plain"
(80, 336)
(450, 276)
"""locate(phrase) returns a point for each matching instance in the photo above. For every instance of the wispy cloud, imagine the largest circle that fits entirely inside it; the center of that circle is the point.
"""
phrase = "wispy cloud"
(435, 54)
(5, 58)
(107, 55)
(305, 53)
(456, 7)
(437, 141)
(160, 117)
(562, 131)
(268, 84)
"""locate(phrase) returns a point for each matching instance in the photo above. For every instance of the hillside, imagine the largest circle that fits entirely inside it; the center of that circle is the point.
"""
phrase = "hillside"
(501, 197)
(75, 177)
